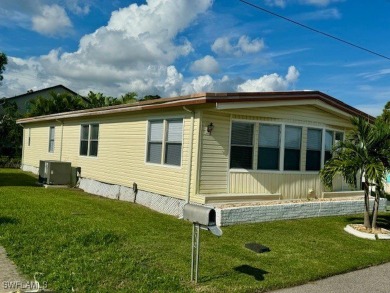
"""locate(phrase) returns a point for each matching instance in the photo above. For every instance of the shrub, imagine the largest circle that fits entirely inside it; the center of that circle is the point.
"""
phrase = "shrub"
(8, 162)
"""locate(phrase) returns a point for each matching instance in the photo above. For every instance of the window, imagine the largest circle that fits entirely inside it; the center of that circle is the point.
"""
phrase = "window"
(29, 137)
(269, 147)
(313, 149)
(331, 138)
(165, 141)
(155, 141)
(173, 142)
(328, 145)
(292, 148)
(241, 150)
(89, 140)
(51, 139)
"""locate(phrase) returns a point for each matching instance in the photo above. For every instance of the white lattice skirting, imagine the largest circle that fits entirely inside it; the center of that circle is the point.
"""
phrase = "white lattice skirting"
(163, 204)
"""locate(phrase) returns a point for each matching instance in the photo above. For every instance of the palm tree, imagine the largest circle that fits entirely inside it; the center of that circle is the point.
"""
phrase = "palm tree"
(365, 154)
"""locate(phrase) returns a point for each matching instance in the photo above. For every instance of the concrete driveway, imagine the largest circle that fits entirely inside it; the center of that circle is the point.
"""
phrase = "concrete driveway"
(374, 280)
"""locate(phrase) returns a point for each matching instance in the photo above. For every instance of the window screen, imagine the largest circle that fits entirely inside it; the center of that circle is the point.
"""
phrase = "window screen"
(155, 141)
(328, 144)
(84, 136)
(51, 139)
(174, 142)
(89, 140)
(268, 151)
(292, 147)
(313, 149)
(241, 151)
(94, 140)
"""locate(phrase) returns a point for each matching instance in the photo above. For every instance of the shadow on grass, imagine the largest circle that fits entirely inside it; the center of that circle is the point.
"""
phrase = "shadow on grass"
(17, 179)
(383, 220)
(8, 220)
(258, 274)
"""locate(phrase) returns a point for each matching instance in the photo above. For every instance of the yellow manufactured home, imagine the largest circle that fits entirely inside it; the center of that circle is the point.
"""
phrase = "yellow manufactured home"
(204, 148)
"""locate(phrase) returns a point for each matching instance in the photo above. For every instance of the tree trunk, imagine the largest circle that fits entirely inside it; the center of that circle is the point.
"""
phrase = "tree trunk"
(375, 210)
(367, 222)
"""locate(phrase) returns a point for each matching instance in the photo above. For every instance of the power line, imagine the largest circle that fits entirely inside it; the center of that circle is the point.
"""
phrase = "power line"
(314, 30)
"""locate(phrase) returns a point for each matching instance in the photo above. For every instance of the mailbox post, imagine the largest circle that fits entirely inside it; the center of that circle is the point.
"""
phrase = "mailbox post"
(202, 217)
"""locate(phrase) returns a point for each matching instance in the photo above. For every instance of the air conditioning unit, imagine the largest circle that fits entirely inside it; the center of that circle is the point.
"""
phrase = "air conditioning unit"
(54, 172)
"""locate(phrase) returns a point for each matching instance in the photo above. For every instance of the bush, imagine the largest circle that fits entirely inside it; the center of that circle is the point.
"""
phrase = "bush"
(8, 162)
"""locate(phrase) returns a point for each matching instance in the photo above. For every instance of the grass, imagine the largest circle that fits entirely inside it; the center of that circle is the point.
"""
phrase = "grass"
(90, 244)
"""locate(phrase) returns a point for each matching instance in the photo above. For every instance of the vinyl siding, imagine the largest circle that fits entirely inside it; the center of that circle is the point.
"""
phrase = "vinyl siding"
(215, 173)
(304, 115)
(121, 152)
(39, 144)
(290, 186)
(214, 160)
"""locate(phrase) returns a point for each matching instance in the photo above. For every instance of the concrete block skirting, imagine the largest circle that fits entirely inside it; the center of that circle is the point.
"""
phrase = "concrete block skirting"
(287, 211)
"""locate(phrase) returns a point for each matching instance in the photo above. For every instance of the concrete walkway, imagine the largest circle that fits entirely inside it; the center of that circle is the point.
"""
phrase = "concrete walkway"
(374, 280)
(9, 274)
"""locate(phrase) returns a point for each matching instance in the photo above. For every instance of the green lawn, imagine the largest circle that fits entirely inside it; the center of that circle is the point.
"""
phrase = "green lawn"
(93, 244)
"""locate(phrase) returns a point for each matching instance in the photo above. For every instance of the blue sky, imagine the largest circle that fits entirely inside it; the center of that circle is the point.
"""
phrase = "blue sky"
(173, 48)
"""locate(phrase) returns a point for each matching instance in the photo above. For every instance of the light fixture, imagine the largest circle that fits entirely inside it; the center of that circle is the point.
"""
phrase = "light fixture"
(210, 128)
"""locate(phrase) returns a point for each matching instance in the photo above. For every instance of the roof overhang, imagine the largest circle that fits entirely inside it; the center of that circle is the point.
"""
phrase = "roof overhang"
(219, 101)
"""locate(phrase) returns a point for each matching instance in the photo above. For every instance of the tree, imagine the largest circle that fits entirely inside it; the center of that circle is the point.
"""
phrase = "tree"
(11, 133)
(365, 154)
(56, 103)
(96, 100)
(385, 116)
(3, 62)
(150, 97)
(130, 97)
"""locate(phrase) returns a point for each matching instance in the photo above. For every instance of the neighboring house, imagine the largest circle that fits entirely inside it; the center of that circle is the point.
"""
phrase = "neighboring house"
(206, 148)
(23, 100)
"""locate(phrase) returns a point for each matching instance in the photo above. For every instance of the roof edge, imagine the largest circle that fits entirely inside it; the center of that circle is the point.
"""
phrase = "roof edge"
(203, 98)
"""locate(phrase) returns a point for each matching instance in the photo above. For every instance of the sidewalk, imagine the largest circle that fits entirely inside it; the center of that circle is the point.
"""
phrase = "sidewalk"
(373, 279)
(8, 273)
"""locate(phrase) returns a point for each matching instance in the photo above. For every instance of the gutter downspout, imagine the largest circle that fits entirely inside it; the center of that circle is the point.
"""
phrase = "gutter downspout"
(189, 168)
(62, 136)
(23, 148)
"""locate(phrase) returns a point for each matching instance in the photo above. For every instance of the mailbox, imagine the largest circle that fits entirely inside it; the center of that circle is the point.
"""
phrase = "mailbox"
(202, 215)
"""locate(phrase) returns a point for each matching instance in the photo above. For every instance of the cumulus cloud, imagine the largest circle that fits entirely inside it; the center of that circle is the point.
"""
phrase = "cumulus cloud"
(47, 17)
(270, 83)
(244, 45)
(205, 65)
(133, 52)
(136, 51)
(52, 20)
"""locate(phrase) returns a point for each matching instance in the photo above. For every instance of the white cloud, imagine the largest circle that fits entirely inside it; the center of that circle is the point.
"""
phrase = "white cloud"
(284, 3)
(52, 20)
(330, 13)
(244, 45)
(134, 51)
(278, 3)
(78, 6)
(205, 65)
(270, 83)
